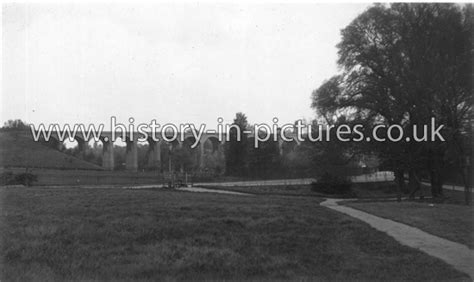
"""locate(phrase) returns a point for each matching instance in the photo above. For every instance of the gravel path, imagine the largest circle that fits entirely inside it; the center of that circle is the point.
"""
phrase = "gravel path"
(201, 190)
(457, 255)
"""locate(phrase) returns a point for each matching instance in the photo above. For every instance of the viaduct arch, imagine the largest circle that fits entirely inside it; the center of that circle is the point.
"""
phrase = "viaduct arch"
(154, 154)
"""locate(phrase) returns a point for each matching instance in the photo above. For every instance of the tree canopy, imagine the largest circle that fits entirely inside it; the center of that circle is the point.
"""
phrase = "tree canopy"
(404, 64)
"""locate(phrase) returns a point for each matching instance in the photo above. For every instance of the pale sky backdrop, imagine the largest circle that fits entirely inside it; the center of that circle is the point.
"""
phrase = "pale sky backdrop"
(178, 63)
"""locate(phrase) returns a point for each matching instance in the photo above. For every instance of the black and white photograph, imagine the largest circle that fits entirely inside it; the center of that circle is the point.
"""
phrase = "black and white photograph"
(236, 141)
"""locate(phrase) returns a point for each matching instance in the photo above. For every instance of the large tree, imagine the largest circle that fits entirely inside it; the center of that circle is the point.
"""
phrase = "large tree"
(236, 150)
(404, 64)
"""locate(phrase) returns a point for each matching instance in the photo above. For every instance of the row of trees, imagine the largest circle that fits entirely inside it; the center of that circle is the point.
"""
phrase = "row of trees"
(241, 159)
(14, 125)
(405, 64)
(235, 158)
(308, 159)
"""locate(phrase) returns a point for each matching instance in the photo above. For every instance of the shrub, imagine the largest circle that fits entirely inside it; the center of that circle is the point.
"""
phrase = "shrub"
(6, 178)
(25, 178)
(332, 184)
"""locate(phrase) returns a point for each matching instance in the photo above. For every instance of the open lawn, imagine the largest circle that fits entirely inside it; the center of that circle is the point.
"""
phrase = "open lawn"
(110, 234)
(360, 190)
(450, 221)
(18, 149)
(282, 190)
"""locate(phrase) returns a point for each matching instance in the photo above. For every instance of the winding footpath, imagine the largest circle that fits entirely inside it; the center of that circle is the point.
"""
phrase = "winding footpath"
(455, 254)
(204, 190)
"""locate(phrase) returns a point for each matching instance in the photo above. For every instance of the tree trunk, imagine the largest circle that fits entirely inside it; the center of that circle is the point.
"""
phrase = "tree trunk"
(440, 183)
(467, 186)
(399, 178)
(413, 182)
(436, 177)
(433, 181)
(419, 185)
(436, 183)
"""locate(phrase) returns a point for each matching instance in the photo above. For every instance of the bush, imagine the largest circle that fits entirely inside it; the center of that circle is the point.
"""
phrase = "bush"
(331, 184)
(7, 178)
(27, 179)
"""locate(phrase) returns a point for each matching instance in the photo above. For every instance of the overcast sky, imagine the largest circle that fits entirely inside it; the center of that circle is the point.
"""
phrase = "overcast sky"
(76, 63)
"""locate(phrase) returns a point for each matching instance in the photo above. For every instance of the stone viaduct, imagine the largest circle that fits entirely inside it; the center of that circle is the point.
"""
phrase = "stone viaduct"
(154, 151)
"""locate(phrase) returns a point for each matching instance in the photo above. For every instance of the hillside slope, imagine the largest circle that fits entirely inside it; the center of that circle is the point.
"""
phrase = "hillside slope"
(19, 150)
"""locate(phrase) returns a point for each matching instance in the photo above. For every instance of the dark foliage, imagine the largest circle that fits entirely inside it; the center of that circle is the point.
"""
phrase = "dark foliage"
(332, 184)
(25, 178)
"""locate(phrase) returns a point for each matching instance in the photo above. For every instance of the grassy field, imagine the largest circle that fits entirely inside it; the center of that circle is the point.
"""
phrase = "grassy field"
(18, 149)
(282, 190)
(450, 221)
(110, 234)
(360, 190)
